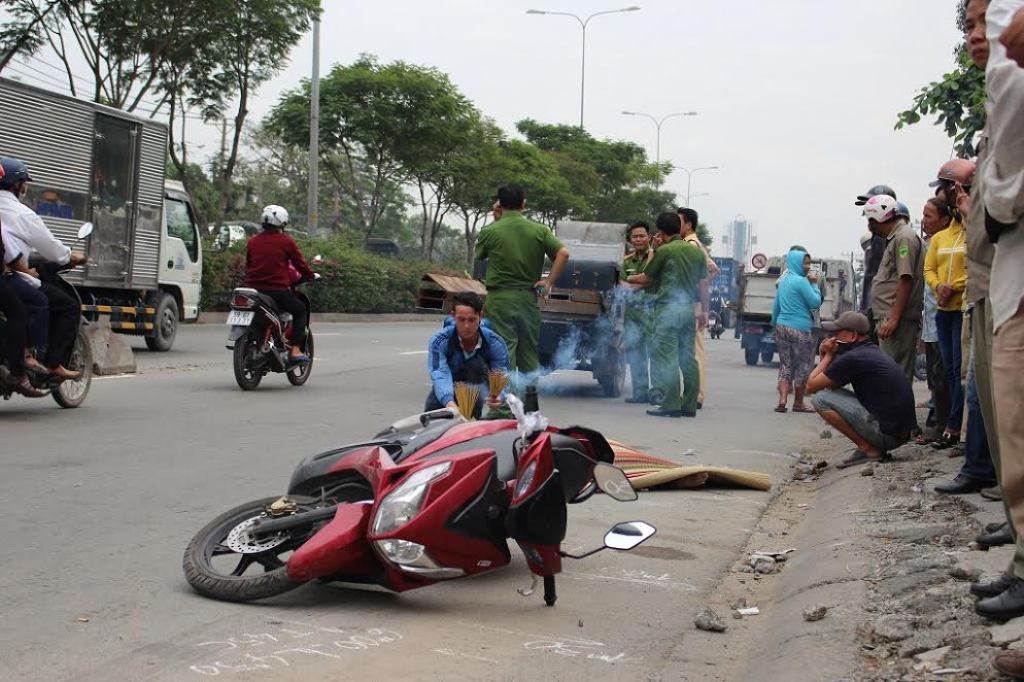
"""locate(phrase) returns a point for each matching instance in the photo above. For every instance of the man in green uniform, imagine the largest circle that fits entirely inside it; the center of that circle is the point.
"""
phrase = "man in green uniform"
(674, 275)
(636, 333)
(515, 248)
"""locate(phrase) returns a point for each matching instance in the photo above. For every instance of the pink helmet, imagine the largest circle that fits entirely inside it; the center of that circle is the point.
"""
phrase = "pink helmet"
(881, 208)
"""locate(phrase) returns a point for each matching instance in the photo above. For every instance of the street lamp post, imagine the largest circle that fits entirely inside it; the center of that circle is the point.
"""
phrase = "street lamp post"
(583, 25)
(689, 178)
(657, 125)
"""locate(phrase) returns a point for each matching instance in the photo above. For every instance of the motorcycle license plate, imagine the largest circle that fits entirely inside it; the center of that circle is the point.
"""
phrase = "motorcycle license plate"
(240, 317)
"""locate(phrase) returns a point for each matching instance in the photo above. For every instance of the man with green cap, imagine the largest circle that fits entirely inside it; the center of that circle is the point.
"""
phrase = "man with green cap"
(674, 276)
(637, 327)
(515, 248)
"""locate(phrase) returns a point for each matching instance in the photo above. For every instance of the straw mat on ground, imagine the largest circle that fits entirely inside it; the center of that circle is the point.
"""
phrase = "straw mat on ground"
(647, 471)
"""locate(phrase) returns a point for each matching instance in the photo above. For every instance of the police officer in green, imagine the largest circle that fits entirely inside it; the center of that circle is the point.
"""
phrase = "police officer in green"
(515, 248)
(636, 333)
(674, 275)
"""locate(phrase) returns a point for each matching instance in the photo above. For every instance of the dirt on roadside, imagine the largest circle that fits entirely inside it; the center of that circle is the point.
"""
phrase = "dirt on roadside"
(867, 580)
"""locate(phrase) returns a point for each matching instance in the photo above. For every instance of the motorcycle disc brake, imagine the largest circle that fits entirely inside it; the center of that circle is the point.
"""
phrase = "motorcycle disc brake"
(240, 540)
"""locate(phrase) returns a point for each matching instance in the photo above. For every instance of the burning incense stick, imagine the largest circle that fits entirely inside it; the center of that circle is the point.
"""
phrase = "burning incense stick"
(465, 398)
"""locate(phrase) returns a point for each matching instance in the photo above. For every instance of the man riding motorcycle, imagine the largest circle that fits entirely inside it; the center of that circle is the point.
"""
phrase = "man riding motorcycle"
(267, 257)
(26, 231)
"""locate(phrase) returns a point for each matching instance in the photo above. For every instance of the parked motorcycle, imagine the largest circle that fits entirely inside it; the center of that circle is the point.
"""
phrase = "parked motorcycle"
(67, 394)
(259, 336)
(432, 497)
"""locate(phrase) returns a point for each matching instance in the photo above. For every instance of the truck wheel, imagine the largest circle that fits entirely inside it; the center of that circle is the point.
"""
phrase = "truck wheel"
(165, 324)
(766, 356)
(750, 355)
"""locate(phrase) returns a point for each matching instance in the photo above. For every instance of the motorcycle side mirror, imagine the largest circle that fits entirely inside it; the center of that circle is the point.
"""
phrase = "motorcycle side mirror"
(85, 230)
(614, 483)
(627, 535)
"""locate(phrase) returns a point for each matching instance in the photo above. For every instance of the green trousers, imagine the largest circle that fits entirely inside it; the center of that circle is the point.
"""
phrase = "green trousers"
(636, 340)
(901, 346)
(515, 316)
(981, 328)
(672, 351)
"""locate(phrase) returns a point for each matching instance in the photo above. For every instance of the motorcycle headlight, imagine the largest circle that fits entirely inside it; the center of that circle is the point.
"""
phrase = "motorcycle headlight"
(404, 502)
(526, 479)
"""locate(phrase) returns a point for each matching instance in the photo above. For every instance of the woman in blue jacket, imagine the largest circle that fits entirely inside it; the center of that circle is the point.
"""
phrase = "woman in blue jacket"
(795, 300)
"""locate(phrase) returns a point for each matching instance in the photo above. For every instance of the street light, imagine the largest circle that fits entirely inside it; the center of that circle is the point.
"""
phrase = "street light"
(583, 25)
(689, 178)
(657, 124)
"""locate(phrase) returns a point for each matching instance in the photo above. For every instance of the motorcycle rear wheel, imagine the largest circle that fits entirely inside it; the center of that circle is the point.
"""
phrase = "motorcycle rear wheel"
(241, 584)
(246, 377)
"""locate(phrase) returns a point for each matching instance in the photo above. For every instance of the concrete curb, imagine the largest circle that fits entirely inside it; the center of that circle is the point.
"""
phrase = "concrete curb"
(111, 353)
(328, 318)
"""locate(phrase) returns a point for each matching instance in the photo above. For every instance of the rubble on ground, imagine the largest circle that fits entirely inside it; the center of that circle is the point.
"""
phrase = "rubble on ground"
(709, 620)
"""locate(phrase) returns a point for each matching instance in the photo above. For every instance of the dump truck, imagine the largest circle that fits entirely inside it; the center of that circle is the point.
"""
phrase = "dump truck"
(95, 164)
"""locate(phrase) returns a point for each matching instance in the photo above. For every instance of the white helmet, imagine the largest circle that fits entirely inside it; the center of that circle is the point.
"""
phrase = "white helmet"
(275, 216)
(881, 208)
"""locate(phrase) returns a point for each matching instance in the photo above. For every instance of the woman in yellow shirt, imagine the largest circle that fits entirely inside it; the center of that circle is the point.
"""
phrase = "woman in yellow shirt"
(945, 273)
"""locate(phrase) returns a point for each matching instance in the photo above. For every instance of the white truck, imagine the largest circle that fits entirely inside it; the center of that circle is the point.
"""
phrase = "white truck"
(92, 163)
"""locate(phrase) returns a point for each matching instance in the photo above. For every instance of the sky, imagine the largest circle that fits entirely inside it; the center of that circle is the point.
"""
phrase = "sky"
(796, 99)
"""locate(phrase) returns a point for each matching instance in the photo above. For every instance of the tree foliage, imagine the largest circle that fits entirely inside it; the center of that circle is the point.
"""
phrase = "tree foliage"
(957, 101)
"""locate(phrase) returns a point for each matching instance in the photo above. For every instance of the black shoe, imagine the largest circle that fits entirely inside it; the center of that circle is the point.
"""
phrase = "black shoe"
(662, 412)
(994, 526)
(962, 485)
(689, 413)
(997, 538)
(993, 587)
(700, 406)
(1006, 605)
(635, 399)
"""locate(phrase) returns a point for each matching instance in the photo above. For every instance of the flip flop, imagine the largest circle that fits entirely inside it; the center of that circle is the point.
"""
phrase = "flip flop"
(780, 408)
(860, 457)
(806, 409)
(946, 440)
(299, 359)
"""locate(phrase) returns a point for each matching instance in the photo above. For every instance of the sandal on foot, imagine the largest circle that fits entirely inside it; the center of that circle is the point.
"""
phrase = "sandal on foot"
(780, 408)
(807, 409)
(860, 457)
(946, 440)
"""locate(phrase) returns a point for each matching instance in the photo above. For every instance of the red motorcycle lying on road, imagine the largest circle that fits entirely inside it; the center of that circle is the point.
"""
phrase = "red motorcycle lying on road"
(432, 497)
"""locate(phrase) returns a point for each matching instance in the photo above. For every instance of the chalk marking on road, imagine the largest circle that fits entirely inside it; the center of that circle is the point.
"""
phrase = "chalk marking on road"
(272, 656)
(115, 376)
(563, 646)
(414, 352)
(634, 576)
(459, 654)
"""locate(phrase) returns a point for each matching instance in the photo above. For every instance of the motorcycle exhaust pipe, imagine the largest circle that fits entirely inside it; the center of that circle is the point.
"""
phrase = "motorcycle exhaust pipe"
(274, 526)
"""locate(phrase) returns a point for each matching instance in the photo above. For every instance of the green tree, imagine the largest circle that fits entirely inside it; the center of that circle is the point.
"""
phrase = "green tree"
(381, 125)
(957, 101)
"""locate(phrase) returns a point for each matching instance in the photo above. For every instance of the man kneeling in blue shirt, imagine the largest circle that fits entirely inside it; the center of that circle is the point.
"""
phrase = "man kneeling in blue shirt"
(465, 350)
(878, 415)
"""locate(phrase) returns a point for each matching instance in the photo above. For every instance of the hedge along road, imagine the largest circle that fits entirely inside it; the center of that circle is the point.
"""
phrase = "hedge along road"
(100, 502)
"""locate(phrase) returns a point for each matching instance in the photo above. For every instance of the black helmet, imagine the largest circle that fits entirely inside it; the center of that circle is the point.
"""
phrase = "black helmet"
(15, 171)
(875, 191)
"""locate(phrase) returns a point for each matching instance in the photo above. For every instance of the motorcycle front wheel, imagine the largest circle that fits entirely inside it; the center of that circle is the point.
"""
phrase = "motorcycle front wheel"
(246, 377)
(70, 394)
(221, 562)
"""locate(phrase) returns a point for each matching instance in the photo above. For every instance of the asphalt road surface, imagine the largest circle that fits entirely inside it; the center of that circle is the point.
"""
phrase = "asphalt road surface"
(98, 503)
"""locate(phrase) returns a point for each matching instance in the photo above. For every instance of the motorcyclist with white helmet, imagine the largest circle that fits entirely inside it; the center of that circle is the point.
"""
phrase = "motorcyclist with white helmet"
(267, 257)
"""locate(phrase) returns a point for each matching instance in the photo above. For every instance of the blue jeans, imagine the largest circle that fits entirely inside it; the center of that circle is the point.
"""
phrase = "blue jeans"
(977, 458)
(948, 324)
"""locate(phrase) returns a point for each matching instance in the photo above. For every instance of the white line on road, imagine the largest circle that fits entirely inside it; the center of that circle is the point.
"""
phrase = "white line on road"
(414, 352)
(459, 654)
(116, 376)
